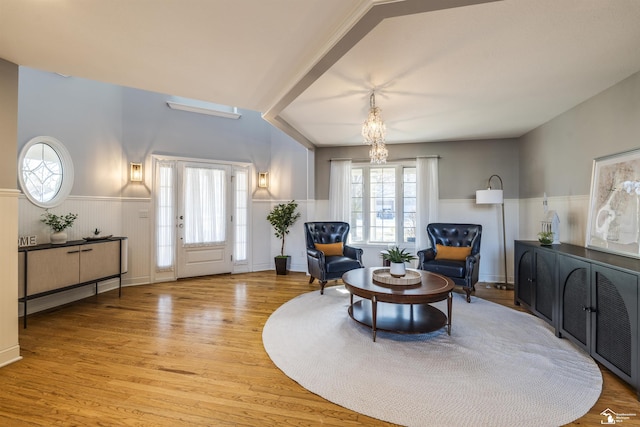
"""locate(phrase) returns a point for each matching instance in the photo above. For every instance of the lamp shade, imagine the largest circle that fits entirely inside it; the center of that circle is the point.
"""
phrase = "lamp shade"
(489, 197)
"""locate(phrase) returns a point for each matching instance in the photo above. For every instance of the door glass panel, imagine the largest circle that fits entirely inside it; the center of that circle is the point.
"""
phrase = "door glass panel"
(241, 218)
(204, 195)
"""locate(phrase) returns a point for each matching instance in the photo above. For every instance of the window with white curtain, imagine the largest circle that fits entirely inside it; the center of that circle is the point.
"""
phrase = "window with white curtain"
(165, 215)
(383, 204)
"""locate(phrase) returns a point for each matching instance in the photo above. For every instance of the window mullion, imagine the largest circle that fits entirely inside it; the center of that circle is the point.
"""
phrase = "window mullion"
(399, 203)
(365, 203)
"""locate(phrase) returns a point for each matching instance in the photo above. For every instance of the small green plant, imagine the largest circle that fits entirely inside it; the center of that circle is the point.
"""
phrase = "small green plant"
(397, 255)
(545, 237)
(282, 217)
(58, 222)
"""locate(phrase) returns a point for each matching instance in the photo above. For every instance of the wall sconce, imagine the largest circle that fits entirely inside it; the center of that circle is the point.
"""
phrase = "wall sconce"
(136, 172)
(263, 179)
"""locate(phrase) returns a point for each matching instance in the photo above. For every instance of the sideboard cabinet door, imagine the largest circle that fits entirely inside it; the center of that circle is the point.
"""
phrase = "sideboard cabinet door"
(523, 289)
(575, 299)
(99, 260)
(52, 269)
(545, 284)
(535, 285)
(615, 320)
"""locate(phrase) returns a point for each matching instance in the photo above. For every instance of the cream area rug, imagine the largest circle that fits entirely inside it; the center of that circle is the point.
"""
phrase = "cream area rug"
(499, 367)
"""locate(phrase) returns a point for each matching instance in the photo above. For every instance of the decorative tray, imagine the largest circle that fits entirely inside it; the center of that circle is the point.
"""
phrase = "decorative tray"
(382, 275)
(98, 237)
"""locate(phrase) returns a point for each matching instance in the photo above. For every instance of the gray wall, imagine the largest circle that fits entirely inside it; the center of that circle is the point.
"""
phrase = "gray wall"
(8, 123)
(86, 116)
(289, 173)
(557, 157)
(464, 166)
(150, 126)
(105, 127)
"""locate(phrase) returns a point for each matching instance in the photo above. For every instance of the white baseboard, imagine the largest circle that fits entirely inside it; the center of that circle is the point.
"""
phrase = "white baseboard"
(10, 355)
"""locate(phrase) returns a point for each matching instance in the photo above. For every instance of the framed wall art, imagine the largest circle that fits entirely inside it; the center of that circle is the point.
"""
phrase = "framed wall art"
(614, 204)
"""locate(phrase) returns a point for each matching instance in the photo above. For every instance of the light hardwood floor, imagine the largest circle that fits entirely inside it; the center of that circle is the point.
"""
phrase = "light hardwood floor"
(186, 353)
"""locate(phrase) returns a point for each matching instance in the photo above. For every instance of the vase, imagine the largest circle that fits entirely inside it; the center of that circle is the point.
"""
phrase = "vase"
(282, 264)
(58, 237)
(397, 269)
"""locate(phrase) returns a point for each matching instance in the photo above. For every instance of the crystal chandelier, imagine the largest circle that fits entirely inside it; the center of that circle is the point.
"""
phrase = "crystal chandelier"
(373, 132)
(378, 153)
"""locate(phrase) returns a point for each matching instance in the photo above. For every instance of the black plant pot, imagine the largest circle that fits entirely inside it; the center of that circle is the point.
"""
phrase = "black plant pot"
(282, 264)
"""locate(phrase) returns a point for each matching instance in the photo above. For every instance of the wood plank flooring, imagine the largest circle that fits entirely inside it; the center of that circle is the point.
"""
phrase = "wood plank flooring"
(185, 353)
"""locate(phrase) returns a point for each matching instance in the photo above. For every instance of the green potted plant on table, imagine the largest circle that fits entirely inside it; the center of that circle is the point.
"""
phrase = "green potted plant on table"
(545, 237)
(58, 224)
(282, 217)
(397, 257)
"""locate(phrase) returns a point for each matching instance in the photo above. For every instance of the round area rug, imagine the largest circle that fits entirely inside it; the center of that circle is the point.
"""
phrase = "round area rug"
(499, 367)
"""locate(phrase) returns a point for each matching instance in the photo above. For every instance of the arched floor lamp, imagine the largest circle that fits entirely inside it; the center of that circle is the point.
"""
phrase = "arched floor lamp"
(496, 197)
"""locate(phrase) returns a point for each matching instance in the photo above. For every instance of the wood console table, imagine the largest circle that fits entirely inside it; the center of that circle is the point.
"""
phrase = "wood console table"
(48, 269)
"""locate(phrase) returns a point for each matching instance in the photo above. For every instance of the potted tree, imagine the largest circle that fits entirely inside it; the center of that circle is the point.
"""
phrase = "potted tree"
(282, 217)
(58, 224)
(397, 257)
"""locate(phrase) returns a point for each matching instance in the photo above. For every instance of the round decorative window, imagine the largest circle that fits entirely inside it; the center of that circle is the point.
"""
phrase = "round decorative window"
(45, 171)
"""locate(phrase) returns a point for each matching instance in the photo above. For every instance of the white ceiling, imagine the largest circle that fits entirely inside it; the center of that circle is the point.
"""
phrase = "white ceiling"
(486, 70)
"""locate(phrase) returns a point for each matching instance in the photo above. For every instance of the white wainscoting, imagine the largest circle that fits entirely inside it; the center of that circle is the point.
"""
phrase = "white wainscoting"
(573, 212)
(462, 211)
(137, 226)
(103, 213)
(132, 218)
(522, 222)
(128, 217)
(266, 245)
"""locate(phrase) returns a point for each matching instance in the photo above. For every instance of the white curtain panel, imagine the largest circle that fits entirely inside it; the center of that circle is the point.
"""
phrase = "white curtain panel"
(204, 205)
(427, 198)
(340, 190)
(164, 191)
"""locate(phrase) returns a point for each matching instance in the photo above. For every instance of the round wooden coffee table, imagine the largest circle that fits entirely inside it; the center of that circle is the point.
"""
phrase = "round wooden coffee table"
(399, 308)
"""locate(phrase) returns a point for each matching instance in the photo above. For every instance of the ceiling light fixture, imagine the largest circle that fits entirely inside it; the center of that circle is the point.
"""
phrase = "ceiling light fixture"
(373, 132)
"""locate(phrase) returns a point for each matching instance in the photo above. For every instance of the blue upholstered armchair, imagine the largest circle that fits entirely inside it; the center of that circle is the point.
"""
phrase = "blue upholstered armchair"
(328, 255)
(459, 257)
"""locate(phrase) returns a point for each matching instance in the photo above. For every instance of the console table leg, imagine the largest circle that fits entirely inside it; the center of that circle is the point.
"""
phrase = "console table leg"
(449, 303)
(374, 315)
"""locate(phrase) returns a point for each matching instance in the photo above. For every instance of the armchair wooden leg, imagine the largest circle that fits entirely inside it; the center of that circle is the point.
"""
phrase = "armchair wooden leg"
(322, 283)
(468, 291)
(311, 279)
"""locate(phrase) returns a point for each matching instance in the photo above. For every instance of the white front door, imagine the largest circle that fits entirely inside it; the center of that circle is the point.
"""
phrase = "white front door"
(204, 242)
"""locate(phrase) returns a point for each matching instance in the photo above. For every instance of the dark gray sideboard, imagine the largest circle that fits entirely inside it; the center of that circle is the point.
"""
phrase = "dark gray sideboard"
(589, 297)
